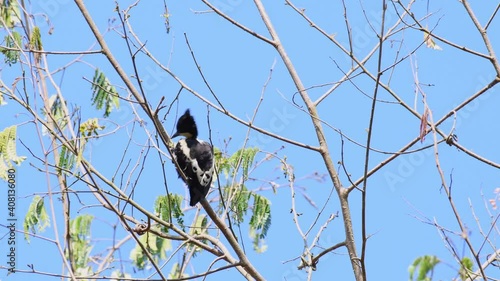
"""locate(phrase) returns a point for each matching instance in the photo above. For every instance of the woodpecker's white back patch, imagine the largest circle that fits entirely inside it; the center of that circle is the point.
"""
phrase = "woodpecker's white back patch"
(200, 157)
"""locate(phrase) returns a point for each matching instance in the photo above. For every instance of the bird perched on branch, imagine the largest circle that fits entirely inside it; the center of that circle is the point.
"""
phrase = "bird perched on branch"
(195, 158)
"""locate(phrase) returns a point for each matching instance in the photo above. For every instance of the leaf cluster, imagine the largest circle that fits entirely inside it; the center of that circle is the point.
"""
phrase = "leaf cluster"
(8, 151)
(104, 94)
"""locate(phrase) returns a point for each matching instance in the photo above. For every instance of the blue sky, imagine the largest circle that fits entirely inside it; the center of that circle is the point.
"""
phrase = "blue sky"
(237, 65)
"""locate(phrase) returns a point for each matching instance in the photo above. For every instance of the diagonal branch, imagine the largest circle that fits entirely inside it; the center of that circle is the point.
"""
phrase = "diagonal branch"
(245, 263)
(323, 146)
(229, 19)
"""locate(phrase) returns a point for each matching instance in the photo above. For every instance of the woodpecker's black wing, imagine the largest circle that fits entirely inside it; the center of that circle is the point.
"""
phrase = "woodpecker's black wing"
(195, 158)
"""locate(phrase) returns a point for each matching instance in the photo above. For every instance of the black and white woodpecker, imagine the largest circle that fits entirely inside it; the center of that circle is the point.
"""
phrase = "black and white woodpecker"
(195, 158)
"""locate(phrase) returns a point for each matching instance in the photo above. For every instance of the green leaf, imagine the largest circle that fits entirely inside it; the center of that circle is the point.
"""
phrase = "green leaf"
(261, 217)
(66, 160)
(104, 94)
(169, 206)
(80, 244)
(12, 41)
(221, 162)
(56, 113)
(425, 266)
(139, 259)
(36, 218)
(241, 159)
(8, 151)
(465, 268)
(36, 42)
(80, 227)
(36, 39)
(239, 203)
(259, 244)
(260, 221)
(198, 227)
(237, 196)
(10, 14)
(91, 127)
(244, 158)
(156, 246)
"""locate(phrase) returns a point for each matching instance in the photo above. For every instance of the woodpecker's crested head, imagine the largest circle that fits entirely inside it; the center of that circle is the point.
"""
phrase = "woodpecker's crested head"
(186, 126)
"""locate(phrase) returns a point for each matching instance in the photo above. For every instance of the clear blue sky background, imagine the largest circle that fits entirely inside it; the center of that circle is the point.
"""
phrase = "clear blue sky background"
(237, 66)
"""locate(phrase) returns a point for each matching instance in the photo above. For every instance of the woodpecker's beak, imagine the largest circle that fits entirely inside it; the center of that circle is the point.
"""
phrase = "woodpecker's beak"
(176, 135)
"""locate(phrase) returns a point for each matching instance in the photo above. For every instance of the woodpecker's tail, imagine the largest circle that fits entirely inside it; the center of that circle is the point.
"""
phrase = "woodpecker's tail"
(196, 193)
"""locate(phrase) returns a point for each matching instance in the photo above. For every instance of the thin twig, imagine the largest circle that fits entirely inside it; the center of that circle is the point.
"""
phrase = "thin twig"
(368, 144)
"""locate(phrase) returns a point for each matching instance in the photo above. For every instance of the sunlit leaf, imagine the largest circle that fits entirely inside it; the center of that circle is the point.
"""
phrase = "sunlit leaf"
(36, 39)
(244, 157)
(260, 222)
(36, 219)
(80, 243)
(8, 152)
(104, 94)
(66, 160)
(155, 245)
(36, 42)
(466, 266)
(9, 11)
(239, 203)
(56, 113)
(168, 207)
(12, 41)
(429, 42)
(91, 127)
(424, 266)
(261, 216)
